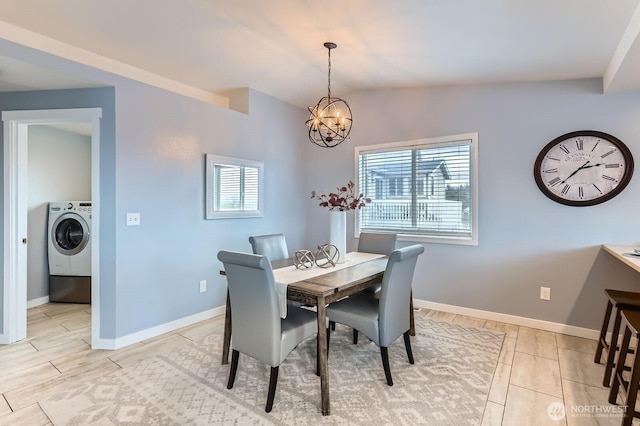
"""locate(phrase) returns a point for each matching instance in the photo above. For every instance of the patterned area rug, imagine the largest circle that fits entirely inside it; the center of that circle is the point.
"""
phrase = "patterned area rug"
(447, 385)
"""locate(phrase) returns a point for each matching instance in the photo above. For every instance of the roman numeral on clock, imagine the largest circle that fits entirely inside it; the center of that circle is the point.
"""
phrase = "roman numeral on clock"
(551, 171)
(554, 181)
(580, 192)
(608, 178)
(564, 148)
(607, 153)
(611, 166)
(565, 189)
(580, 144)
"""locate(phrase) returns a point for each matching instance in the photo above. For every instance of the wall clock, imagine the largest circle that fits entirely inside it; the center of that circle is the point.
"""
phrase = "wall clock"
(583, 168)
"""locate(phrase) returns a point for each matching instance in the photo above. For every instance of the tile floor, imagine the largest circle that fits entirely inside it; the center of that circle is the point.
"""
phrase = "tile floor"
(535, 369)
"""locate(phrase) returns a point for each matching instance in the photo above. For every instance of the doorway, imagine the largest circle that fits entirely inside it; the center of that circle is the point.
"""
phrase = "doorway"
(14, 296)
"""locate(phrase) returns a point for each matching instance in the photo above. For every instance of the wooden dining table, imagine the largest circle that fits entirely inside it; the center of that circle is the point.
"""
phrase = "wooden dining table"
(320, 291)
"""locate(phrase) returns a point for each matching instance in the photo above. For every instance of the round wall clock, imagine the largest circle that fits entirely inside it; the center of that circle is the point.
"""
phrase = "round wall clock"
(583, 168)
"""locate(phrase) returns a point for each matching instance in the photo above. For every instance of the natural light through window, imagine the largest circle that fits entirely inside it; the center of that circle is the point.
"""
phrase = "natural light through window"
(423, 190)
(234, 187)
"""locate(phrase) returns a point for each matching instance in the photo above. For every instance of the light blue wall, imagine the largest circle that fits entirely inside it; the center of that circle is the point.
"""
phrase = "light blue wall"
(526, 240)
(162, 139)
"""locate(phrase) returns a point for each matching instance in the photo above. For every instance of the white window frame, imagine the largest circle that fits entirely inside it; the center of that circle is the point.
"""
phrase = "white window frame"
(210, 187)
(430, 143)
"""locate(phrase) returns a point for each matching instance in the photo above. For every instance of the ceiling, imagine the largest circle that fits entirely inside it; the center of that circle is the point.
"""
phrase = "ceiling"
(276, 46)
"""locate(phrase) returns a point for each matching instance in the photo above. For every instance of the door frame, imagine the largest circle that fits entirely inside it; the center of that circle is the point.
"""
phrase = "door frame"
(14, 281)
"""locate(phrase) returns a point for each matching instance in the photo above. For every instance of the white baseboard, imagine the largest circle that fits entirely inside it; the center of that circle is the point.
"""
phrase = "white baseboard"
(510, 319)
(113, 344)
(121, 342)
(37, 302)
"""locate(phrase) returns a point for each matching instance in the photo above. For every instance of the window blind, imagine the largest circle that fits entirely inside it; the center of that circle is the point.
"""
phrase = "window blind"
(237, 188)
(418, 190)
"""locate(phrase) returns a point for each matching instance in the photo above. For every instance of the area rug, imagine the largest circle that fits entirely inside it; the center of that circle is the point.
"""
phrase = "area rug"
(447, 385)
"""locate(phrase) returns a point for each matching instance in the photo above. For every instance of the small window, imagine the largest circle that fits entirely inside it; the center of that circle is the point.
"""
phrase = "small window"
(431, 189)
(234, 187)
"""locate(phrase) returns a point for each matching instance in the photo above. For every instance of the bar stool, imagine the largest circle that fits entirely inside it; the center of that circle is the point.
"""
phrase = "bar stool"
(631, 321)
(620, 300)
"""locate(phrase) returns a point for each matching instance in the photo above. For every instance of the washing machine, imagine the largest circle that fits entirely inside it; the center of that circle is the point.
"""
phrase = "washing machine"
(69, 251)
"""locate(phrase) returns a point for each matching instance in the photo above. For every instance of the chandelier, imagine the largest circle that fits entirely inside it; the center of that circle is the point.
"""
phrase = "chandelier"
(330, 120)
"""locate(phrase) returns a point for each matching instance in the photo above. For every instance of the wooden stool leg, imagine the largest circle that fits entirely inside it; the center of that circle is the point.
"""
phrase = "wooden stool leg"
(613, 346)
(633, 388)
(603, 332)
(624, 348)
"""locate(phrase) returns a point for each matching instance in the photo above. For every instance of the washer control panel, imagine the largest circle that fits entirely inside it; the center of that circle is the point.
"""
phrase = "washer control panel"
(75, 206)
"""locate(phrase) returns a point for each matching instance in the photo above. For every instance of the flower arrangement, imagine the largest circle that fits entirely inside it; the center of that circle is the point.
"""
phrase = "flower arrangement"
(342, 200)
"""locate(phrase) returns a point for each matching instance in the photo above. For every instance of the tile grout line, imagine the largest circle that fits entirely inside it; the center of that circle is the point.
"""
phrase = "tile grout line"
(564, 400)
(495, 369)
(506, 397)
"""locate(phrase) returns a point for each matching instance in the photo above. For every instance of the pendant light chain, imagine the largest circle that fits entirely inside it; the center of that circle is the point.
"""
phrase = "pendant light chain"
(329, 73)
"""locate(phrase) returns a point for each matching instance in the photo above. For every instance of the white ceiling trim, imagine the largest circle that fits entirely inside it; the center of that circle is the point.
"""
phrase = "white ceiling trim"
(625, 60)
(46, 44)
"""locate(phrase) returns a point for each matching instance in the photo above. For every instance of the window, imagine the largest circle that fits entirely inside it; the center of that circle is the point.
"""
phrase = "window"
(431, 189)
(395, 187)
(234, 187)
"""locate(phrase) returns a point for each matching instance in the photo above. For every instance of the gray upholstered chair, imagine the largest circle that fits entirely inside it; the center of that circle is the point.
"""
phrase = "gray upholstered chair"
(274, 246)
(370, 242)
(385, 319)
(258, 330)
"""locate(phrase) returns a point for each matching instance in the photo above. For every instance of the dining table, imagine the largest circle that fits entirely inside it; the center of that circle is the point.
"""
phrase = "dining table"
(327, 285)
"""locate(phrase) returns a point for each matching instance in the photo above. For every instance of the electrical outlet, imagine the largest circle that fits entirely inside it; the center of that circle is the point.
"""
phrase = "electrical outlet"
(545, 293)
(133, 219)
(203, 286)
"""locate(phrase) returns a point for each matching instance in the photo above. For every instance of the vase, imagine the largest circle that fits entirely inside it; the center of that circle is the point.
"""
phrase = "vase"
(338, 232)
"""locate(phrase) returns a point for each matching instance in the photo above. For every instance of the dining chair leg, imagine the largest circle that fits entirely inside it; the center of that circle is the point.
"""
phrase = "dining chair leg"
(385, 364)
(226, 342)
(332, 325)
(234, 367)
(273, 381)
(355, 336)
(407, 345)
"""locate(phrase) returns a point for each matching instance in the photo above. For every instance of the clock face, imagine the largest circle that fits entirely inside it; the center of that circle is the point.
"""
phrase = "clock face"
(583, 168)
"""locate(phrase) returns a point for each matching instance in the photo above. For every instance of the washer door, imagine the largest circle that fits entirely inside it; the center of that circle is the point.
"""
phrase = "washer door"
(70, 234)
